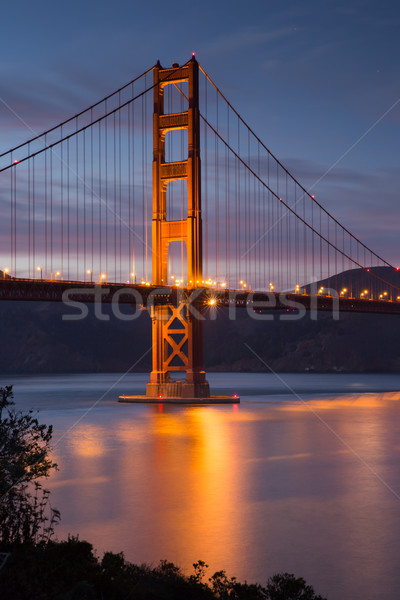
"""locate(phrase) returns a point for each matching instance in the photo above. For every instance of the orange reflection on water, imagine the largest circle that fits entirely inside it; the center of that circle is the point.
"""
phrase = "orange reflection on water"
(368, 400)
(86, 483)
(196, 480)
(86, 440)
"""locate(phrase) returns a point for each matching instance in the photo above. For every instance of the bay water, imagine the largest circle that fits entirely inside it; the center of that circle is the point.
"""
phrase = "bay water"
(302, 476)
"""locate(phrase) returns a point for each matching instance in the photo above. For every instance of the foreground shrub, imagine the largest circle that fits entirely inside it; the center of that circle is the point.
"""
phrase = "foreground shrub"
(25, 512)
(70, 570)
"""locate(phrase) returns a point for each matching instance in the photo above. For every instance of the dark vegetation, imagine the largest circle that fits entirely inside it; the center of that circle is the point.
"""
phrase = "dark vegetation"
(33, 566)
(70, 571)
(25, 512)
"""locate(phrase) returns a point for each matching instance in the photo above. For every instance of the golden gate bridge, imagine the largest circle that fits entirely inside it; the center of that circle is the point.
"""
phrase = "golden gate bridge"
(161, 193)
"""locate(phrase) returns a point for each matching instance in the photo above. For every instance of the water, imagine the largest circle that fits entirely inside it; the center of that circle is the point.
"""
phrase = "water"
(303, 476)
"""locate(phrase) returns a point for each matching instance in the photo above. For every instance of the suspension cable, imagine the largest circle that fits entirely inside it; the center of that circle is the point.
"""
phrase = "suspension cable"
(289, 174)
(311, 227)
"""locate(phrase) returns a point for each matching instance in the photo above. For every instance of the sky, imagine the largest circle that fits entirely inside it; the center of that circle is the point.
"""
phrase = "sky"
(317, 81)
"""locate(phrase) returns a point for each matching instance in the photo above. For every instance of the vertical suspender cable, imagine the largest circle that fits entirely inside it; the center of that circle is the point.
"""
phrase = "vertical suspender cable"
(287, 218)
(143, 193)
(248, 204)
(106, 187)
(11, 219)
(132, 163)
(15, 221)
(217, 190)
(115, 193)
(51, 215)
(91, 198)
(68, 214)
(120, 190)
(145, 152)
(131, 265)
(29, 216)
(33, 219)
(45, 210)
(84, 207)
(100, 211)
(238, 207)
(226, 158)
(77, 200)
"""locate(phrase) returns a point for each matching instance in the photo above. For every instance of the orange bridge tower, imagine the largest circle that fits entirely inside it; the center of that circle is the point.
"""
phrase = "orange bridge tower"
(177, 319)
(177, 331)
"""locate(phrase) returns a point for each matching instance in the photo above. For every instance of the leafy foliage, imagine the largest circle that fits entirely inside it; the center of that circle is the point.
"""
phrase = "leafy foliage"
(285, 586)
(25, 513)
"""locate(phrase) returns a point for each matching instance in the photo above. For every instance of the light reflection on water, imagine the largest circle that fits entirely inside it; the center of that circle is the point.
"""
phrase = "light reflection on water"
(274, 484)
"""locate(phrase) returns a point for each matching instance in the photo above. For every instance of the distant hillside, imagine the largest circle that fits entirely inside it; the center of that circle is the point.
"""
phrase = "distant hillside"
(377, 280)
(35, 339)
(355, 343)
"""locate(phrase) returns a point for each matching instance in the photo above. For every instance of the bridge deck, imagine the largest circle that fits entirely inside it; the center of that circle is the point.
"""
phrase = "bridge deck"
(145, 295)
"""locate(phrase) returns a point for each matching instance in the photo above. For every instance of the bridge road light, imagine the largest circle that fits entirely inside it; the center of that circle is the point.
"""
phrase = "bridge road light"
(90, 272)
(5, 271)
(103, 276)
(41, 271)
(271, 287)
(56, 274)
(133, 275)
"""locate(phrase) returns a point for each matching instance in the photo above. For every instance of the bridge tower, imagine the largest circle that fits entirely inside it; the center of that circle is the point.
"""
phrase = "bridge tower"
(177, 334)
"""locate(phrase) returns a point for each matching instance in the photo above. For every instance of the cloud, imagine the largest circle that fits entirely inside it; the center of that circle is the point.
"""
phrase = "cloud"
(244, 39)
(270, 64)
(364, 201)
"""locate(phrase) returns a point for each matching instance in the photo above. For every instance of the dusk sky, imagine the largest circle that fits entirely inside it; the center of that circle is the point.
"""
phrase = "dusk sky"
(310, 78)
